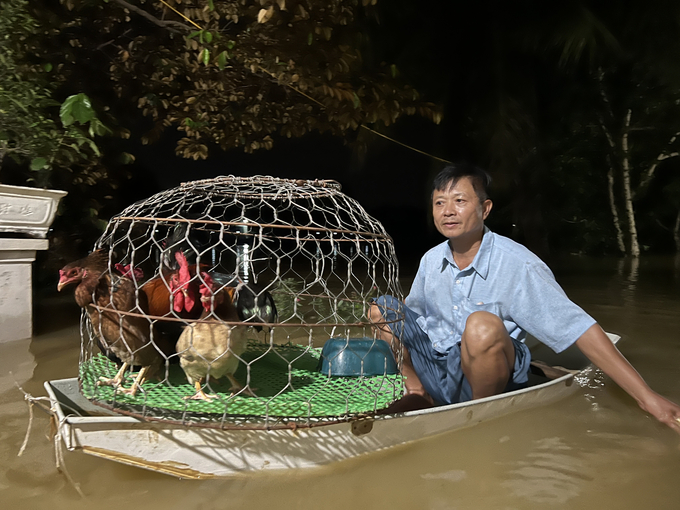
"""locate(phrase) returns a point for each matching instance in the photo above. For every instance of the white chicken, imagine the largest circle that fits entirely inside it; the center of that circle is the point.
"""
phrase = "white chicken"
(210, 347)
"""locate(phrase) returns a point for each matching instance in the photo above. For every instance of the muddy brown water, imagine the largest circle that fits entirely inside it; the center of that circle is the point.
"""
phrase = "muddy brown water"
(595, 449)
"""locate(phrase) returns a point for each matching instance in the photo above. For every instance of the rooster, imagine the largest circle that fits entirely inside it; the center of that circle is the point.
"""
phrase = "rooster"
(104, 295)
(174, 289)
(176, 286)
(173, 292)
(209, 346)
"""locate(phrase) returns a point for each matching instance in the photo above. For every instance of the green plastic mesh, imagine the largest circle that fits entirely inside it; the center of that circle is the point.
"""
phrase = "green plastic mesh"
(286, 381)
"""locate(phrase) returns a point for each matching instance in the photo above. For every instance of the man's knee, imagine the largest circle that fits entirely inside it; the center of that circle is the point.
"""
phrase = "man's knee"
(374, 314)
(484, 332)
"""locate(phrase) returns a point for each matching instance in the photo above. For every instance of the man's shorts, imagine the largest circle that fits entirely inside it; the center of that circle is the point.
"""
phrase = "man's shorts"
(442, 374)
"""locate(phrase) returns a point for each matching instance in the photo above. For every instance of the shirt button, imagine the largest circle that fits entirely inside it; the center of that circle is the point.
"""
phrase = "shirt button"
(457, 282)
(455, 307)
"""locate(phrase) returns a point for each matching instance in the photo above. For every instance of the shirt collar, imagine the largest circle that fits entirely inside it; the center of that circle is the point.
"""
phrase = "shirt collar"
(482, 259)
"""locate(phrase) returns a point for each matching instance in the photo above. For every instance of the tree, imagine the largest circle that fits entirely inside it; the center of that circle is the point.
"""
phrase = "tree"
(236, 72)
(646, 114)
(34, 130)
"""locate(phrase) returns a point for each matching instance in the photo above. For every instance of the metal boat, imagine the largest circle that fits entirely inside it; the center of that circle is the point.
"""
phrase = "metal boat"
(195, 452)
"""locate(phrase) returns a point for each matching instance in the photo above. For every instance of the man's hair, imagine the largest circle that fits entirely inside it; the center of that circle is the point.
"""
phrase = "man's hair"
(449, 176)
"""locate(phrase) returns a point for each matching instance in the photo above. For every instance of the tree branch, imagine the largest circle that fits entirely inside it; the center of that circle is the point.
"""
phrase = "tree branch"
(661, 157)
(161, 23)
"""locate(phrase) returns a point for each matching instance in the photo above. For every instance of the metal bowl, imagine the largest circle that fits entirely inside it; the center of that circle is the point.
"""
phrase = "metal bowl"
(354, 357)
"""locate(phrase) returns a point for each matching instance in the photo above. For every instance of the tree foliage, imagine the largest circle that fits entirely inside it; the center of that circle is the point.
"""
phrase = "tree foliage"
(239, 72)
(34, 129)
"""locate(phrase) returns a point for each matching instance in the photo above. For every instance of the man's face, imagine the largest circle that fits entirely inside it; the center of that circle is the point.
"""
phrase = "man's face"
(458, 213)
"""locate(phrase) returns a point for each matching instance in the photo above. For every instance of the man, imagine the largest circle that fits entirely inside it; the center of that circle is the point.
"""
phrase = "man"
(473, 301)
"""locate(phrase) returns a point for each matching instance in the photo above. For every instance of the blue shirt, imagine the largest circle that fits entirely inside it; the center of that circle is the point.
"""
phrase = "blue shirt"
(504, 278)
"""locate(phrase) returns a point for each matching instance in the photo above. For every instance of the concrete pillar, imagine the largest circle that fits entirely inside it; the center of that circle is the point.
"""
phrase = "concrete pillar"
(30, 212)
(16, 292)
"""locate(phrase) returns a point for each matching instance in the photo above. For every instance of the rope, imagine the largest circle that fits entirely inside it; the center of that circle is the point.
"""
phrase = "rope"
(295, 89)
(57, 439)
(182, 15)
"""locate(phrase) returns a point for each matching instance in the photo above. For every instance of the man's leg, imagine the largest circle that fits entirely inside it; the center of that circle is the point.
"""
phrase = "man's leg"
(487, 354)
(383, 332)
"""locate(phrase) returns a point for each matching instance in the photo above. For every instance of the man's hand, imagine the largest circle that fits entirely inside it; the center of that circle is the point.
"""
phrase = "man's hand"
(663, 410)
(599, 349)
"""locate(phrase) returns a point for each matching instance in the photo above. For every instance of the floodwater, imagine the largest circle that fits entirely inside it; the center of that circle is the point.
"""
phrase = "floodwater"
(595, 449)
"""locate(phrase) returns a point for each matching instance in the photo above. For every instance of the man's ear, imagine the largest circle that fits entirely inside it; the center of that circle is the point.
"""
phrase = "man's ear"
(486, 208)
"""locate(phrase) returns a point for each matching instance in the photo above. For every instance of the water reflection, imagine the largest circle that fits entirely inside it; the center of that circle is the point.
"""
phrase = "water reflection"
(628, 271)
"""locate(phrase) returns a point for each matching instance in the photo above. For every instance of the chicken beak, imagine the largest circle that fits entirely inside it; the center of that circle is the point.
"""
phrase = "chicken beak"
(64, 281)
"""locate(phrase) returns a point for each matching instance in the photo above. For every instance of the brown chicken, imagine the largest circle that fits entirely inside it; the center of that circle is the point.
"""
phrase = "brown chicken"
(209, 347)
(131, 338)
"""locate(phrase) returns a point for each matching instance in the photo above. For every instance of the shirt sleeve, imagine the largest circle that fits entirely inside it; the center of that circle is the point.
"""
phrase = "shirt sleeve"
(542, 309)
(416, 297)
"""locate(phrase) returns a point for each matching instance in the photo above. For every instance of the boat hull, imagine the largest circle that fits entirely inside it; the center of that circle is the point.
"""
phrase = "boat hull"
(195, 452)
(192, 452)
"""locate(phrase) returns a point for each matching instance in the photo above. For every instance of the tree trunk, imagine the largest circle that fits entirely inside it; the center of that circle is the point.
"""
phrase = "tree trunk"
(627, 191)
(610, 173)
(612, 207)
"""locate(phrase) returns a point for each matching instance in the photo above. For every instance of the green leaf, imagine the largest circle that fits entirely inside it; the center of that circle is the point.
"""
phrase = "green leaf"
(231, 45)
(357, 101)
(394, 71)
(76, 108)
(310, 39)
(194, 34)
(65, 111)
(206, 56)
(211, 5)
(82, 111)
(97, 128)
(38, 163)
(47, 67)
(222, 60)
(208, 37)
(83, 140)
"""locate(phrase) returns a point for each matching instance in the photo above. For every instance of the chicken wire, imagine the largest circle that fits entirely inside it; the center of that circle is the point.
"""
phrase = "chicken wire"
(317, 253)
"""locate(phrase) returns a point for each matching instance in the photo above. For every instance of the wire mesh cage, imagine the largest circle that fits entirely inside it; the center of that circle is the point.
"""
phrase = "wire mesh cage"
(241, 302)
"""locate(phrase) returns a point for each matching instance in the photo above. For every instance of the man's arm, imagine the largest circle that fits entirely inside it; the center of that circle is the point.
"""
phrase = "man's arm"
(599, 349)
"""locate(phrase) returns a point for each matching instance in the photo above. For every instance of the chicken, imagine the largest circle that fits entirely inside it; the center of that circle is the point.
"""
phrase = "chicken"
(254, 304)
(176, 289)
(209, 347)
(173, 292)
(130, 338)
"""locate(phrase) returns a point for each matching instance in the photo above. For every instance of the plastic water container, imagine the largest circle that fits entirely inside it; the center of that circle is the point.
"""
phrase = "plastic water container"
(355, 357)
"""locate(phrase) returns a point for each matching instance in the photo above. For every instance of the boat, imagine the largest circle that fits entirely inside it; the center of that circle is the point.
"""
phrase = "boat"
(194, 452)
